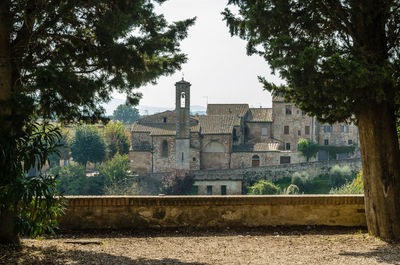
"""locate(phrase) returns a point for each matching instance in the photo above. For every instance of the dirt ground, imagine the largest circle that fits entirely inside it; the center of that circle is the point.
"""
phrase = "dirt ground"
(266, 246)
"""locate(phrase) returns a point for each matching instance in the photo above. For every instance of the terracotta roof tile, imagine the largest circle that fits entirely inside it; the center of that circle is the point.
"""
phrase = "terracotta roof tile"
(216, 124)
(227, 109)
(260, 115)
(160, 129)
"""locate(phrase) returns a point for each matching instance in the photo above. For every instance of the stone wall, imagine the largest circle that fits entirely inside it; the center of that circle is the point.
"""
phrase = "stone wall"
(160, 163)
(213, 157)
(243, 159)
(280, 171)
(297, 122)
(157, 212)
(254, 131)
(140, 161)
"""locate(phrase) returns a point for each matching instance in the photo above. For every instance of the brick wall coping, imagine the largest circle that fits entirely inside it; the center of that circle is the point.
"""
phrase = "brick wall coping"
(96, 201)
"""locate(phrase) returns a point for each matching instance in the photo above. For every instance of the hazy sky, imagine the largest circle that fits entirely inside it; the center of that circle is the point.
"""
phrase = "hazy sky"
(217, 67)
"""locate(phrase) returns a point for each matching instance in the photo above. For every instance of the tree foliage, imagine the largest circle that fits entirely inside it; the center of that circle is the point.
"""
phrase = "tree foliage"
(303, 181)
(338, 176)
(126, 114)
(61, 59)
(30, 199)
(308, 148)
(88, 145)
(263, 187)
(73, 181)
(354, 187)
(335, 56)
(116, 139)
(116, 169)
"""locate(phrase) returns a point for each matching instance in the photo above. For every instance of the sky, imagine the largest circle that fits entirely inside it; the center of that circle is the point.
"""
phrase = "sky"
(218, 68)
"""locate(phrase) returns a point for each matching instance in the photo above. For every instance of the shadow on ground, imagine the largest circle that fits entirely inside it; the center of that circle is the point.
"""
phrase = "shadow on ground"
(200, 232)
(51, 255)
(389, 254)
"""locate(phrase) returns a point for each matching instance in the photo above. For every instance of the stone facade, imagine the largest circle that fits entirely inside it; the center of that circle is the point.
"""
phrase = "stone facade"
(158, 212)
(230, 136)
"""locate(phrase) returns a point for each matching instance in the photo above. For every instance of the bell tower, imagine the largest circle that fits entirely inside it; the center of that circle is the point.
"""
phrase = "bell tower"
(182, 138)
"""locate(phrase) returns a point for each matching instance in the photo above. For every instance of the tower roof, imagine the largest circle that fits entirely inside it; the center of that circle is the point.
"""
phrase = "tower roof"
(182, 82)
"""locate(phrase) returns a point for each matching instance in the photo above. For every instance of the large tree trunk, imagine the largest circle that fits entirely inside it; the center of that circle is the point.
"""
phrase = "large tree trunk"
(380, 156)
(7, 233)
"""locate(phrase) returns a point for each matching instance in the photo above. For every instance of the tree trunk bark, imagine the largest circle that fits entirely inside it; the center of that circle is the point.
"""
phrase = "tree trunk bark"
(7, 233)
(380, 157)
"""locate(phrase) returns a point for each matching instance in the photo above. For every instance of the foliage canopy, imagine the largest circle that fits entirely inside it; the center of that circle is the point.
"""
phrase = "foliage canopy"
(126, 114)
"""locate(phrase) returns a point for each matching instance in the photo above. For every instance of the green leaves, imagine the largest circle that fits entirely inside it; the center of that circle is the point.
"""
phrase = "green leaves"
(31, 199)
(333, 55)
(88, 145)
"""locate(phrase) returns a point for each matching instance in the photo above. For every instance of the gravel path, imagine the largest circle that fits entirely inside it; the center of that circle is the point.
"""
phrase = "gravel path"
(302, 246)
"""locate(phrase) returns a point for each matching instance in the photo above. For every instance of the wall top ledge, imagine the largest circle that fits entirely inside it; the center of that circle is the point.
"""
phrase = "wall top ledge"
(162, 200)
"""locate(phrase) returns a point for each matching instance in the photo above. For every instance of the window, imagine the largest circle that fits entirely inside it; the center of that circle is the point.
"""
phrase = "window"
(307, 130)
(165, 120)
(194, 159)
(287, 146)
(326, 142)
(285, 159)
(341, 128)
(164, 149)
(303, 113)
(223, 189)
(286, 129)
(234, 132)
(183, 99)
(347, 128)
(298, 132)
(255, 161)
(182, 156)
(288, 109)
(327, 128)
(350, 142)
(209, 190)
(264, 131)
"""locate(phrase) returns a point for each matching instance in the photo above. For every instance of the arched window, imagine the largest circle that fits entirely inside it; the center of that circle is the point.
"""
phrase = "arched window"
(164, 119)
(234, 132)
(183, 99)
(164, 149)
(255, 161)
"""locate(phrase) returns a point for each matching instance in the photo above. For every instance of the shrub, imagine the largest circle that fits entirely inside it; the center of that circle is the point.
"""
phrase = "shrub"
(338, 176)
(292, 189)
(73, 181)
(354, 187)
(263, 187)
(303, 181)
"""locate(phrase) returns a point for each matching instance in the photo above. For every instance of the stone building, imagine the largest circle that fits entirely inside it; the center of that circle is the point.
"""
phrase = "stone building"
(229, 136)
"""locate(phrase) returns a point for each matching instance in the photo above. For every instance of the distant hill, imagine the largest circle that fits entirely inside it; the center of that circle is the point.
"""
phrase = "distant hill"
(148, 110)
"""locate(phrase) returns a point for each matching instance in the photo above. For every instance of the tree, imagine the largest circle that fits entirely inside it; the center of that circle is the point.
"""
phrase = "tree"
(263, 187)
(73, 181)
(116, 138)
(116, 169)
(115, 173)
(126, 114)
(88, 145)
(307, 148)
(340, 61)
(61, 59)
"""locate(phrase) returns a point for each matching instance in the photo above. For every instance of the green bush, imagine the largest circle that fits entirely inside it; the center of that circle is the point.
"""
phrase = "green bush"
(303, 181)
(292, 189)
(73, 181)
(354, 187)
(264, 187)
(339, 176)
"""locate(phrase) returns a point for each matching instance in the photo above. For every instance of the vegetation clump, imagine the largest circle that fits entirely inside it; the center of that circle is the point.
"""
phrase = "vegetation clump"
(338, 176)
(303, 181)
(263, 187)
(354, 187)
